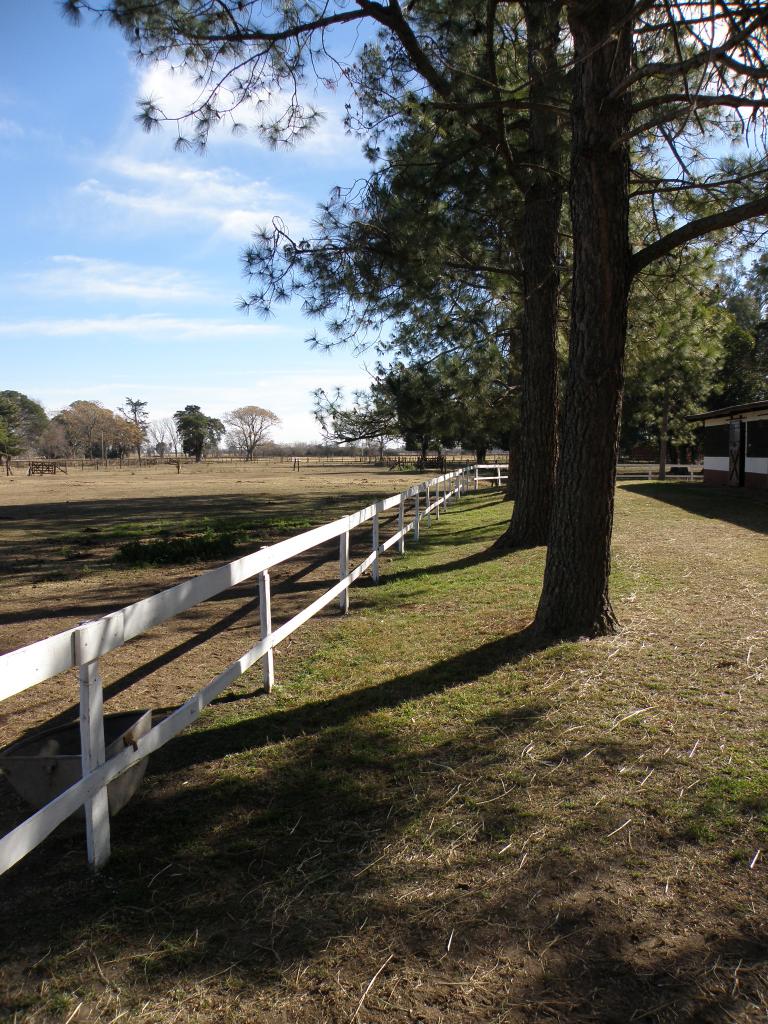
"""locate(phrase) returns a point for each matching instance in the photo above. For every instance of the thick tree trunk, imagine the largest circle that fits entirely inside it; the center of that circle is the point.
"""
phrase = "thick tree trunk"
(574, 600)
(542, 205)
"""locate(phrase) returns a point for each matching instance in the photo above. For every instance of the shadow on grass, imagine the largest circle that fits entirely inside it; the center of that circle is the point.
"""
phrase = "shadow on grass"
(740, 507)
(49, 529)
(324, 834)
(340, 790)
(310, 719)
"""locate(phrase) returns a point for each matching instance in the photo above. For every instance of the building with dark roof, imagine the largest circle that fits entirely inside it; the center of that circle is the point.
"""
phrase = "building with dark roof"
(736, 444)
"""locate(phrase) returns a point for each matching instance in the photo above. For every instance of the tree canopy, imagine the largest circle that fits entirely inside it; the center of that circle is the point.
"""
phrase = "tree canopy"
(23, 421)
(92, 431)
(249, 427)
(448, 401)
(197, 431)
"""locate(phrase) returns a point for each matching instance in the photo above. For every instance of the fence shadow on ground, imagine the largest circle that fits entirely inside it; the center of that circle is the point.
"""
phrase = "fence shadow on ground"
(740, 507)
(300, 841)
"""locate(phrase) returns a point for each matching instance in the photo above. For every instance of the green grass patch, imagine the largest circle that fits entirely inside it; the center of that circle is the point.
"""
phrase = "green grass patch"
(733, 801)
(200, 540)
(199, 547)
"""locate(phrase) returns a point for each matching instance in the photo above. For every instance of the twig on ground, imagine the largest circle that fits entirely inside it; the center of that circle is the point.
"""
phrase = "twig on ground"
(369, 986)
(74, 1013)
(632, 714)
(619, 828)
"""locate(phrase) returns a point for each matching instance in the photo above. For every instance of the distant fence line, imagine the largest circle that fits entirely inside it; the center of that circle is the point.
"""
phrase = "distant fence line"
(82, 646)
(397, 460)
(406, 461)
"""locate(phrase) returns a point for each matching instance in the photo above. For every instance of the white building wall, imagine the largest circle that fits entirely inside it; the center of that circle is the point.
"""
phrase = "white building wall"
(754, 466)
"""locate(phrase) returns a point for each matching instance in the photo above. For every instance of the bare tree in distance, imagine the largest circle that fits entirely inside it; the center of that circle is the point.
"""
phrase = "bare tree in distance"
(135, 411)
(158, 437)
(163, 436)
(172, 434)
(249, 427)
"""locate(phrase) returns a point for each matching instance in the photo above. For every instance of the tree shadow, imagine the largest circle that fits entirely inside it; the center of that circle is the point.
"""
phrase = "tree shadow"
(341, 791)
(313, 718)
(741, 507)
(314, 834)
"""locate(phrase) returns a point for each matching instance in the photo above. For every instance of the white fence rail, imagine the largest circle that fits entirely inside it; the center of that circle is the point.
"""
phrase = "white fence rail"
(83, 646)
(496, 474)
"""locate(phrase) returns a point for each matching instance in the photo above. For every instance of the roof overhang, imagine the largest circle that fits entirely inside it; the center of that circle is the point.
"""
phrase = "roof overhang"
(748, 411)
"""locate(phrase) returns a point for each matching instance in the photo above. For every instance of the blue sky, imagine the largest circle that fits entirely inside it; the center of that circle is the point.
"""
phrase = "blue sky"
(119, 269)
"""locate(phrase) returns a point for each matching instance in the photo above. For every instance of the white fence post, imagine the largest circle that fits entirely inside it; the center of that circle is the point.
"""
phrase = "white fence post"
(344, 570)
(498, 475)
(417, 515)
(427, 509)
(265, 622)
(375, 545)
(477, 478)
(92, 756)
(437, 498)
(401, 524)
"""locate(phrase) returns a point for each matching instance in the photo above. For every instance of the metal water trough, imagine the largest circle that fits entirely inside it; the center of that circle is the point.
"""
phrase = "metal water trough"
(40, 767)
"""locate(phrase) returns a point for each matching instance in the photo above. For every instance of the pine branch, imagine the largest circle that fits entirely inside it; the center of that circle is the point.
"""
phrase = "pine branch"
(697, 229)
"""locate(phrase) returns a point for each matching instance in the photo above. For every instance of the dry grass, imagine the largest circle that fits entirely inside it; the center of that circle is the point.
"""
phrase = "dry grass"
(429, 822)
(60, 535)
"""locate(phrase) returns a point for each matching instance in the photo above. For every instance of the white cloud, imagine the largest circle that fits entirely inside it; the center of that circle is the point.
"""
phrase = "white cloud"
(222, 199)
(10, 129)
(175, 92)
(142, 328)
(83, 277)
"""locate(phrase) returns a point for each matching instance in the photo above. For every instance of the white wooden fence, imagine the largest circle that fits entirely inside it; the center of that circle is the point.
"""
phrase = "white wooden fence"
(497, 473)
(83, 646)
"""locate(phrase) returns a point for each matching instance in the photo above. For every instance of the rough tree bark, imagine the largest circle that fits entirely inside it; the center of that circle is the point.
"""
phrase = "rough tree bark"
(574, 600)
(542, 205)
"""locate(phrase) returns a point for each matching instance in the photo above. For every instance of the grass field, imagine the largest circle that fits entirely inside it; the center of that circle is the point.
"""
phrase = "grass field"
(426, 820)
(60, 536)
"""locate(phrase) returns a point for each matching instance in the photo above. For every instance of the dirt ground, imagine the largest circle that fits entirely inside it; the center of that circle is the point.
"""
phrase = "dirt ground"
(427, 821)
(59, 535)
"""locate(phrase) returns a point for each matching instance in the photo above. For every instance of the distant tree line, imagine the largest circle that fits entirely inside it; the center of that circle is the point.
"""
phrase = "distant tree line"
(88, 430)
